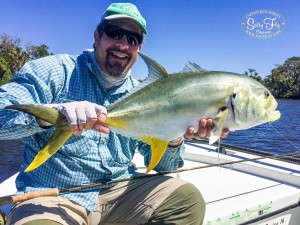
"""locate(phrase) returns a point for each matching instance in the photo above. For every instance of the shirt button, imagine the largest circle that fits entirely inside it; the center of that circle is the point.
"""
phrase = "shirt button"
(105, 163)
(104, 140)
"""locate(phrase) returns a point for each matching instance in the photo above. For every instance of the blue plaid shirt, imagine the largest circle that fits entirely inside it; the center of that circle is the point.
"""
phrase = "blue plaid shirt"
(90, 158)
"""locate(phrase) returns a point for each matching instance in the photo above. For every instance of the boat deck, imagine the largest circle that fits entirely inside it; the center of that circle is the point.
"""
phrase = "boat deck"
(240, 192)
(267, 191)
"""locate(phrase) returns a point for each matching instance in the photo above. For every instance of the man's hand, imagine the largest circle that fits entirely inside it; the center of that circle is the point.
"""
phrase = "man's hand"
(204, 131)
(81, 115)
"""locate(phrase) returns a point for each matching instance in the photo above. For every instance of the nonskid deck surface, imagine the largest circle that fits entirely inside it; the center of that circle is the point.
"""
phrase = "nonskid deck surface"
(238, 192)
(233, 194)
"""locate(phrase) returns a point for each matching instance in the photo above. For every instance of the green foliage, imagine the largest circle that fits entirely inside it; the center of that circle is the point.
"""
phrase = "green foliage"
(36, 52)
(252, 73)
(6, 77)
(284, 82)
(13, 57)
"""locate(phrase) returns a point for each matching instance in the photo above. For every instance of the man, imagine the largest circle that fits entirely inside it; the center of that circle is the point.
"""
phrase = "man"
(81, 87)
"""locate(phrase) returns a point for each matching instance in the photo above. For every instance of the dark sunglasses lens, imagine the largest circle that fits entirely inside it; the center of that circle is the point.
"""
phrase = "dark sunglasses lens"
(132, 40)
(117, 33)
(113, 32)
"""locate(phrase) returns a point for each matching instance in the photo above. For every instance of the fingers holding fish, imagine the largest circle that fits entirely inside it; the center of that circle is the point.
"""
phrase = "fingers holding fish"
(82, 115)
(204, 130)
(90, 124)
(78, 128)
(75, 129)
(225, 133)
(100, 124)
(189, 134)
(205, 127)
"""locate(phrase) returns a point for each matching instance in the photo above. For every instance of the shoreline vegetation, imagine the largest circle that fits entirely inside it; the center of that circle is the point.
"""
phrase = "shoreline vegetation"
(283, 82)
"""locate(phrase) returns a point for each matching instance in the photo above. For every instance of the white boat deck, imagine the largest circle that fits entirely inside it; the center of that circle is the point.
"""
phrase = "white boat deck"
(243, 191)
(237, 193)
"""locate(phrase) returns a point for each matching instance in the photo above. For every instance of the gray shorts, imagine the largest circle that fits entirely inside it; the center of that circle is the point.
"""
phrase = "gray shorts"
(131, 202)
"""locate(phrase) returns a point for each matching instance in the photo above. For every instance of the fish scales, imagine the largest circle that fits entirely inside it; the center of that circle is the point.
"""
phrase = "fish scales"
(167, 107)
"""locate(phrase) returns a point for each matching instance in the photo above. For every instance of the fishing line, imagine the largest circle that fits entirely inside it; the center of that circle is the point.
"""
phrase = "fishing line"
(219, 147)
(285, 137)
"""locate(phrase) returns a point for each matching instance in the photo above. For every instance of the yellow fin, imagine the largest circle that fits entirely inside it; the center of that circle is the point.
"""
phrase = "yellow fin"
(59, 137)
(158, 148)
(219, 125)
(113, 122)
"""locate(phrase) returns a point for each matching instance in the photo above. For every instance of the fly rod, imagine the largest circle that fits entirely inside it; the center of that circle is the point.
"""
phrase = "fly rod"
(56, 192)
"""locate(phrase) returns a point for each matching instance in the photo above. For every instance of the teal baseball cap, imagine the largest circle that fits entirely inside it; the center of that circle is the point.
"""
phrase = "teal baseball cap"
(125, 10)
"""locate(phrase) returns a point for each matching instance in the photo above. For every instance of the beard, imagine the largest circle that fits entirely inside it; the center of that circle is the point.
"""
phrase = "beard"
(117, 69)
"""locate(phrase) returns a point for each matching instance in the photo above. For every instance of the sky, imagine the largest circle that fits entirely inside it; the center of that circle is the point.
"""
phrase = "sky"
(206, 32)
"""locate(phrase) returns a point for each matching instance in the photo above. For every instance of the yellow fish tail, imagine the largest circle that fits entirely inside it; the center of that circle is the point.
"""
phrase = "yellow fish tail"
(50, 115)
(158, 148)
(59, 137)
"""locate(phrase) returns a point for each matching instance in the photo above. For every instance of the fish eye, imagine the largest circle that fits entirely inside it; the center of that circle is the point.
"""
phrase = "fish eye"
(222, 109)
(267, 94)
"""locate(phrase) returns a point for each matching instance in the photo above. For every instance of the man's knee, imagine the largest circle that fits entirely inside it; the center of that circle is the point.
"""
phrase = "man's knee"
(185, 205)
(190, 203)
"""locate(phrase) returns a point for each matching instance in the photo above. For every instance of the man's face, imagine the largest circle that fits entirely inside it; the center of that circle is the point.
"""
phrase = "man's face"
(116, 57)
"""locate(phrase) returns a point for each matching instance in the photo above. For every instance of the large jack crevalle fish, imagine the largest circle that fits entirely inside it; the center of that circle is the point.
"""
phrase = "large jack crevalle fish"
(164, 106)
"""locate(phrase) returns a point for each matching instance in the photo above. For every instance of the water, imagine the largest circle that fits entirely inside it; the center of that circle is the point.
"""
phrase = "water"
(262, 137)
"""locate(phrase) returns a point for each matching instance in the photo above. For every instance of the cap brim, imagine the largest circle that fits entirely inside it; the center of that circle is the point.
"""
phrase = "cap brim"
(112, 17)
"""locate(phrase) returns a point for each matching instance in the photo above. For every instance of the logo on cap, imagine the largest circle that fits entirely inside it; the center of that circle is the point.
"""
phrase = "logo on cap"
(130, 9)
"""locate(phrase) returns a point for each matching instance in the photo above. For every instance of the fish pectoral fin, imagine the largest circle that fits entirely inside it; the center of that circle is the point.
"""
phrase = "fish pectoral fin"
(219, 125)
(158, 149)
(59, 137)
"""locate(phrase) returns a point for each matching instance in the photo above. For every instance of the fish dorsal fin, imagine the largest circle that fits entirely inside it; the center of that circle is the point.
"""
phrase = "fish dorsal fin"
(156, 72)
(193, 67)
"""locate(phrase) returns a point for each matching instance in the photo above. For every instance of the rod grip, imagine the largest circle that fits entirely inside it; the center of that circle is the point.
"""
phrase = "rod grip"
(30, 195)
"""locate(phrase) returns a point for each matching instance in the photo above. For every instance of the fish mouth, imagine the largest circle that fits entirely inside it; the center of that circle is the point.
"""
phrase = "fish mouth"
(273, 115)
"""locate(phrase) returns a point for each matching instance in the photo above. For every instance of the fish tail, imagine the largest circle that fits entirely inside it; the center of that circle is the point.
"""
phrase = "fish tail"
(59, 137)
(50, 115)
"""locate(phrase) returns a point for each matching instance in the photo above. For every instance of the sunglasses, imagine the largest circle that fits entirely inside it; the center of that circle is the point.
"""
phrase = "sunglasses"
(117, 33)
